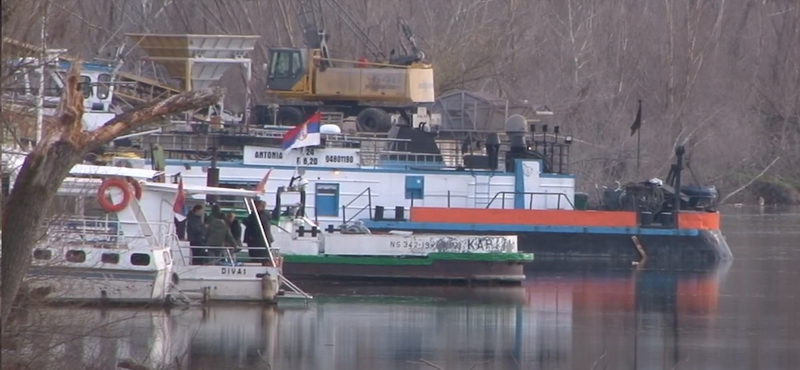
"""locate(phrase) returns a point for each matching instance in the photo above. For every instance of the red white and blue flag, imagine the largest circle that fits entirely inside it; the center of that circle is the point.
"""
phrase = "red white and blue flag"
(303, 135)
(179, 205)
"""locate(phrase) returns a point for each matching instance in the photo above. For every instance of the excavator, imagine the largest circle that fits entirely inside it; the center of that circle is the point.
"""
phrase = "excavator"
(379, 93)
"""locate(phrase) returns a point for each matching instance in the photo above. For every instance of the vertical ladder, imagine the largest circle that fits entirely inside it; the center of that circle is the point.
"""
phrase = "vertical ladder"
(482, 191)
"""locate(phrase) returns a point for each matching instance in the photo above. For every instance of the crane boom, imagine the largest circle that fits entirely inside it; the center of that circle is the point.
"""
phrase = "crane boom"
(312, 25)
(311, 22)
(360, 33)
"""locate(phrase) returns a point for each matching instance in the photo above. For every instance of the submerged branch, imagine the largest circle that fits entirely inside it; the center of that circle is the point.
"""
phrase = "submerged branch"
(751, 181)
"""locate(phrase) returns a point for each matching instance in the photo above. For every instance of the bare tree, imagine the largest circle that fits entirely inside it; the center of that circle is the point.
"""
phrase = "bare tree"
(62, 146)
(719, 76)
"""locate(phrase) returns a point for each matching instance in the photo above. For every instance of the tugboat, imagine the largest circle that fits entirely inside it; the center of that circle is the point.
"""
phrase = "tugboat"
(352, 252)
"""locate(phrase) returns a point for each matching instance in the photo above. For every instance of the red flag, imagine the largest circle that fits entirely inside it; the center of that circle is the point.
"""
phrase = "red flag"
(179, 206)
(262, 186)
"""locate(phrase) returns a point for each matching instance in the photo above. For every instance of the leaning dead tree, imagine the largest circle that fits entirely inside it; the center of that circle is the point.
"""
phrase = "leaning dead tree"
(63, 145)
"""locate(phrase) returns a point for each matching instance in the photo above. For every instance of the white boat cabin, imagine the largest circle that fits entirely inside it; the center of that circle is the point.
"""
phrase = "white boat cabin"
(352, 178)
(113, 259)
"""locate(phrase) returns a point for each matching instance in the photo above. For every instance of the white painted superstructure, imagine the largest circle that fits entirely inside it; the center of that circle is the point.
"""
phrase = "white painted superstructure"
(345, 183)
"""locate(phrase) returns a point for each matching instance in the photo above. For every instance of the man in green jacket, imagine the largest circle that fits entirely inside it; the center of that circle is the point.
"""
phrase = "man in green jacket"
(218, 236)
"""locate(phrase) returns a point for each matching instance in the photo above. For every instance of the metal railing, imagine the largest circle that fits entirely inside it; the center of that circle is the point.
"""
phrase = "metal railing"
(104, 233)
(215, 255)
(503, 194)
(368, 207)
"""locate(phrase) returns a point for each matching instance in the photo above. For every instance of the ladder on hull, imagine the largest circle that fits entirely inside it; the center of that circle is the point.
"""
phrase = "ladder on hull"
(482, 193)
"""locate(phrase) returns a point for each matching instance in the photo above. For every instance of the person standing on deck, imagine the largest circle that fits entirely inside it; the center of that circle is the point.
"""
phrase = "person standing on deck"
(196, 233)
(234, 225)
(218, 236)
(216, 213)
(255, 233)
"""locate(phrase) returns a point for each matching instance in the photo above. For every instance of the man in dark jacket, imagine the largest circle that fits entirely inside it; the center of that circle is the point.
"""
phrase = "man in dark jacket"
(255, 232)
(218, 237)
(234, 224)
(196, 233)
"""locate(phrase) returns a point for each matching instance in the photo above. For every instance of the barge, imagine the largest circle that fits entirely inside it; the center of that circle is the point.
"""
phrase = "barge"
(413, 181)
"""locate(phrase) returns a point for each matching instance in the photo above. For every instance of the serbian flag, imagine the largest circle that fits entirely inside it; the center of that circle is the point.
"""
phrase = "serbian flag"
(179, 205)
(303, 135)
(262, 186)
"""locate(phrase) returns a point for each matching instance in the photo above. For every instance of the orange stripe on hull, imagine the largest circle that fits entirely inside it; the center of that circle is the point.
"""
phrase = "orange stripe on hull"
(698, 220)
(704, 221)
(524, 217)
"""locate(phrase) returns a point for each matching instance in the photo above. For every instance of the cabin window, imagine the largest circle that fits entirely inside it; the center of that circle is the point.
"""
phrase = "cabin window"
(112, 258)
(52, 87)
(296, 66)
(103, 85)
(140, 259)
(85, 86)
(415, 187)
(76, 256)
(42, 254)
(281, 65)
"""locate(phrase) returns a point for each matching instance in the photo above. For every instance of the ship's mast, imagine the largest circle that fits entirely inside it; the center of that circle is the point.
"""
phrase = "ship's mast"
(42, 62)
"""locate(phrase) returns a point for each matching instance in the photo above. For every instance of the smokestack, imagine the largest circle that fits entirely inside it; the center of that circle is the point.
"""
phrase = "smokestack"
(493, 149)
(516, 127)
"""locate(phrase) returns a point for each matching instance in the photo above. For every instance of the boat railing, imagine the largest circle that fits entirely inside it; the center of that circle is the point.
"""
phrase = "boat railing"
(368, 207)
(530, 195)
(104, 233)
(216, 255)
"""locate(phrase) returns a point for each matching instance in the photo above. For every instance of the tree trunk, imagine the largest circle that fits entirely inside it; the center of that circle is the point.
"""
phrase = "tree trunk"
(62, 146)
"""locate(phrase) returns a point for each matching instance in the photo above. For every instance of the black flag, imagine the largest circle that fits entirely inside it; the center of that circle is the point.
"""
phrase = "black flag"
(637, 123)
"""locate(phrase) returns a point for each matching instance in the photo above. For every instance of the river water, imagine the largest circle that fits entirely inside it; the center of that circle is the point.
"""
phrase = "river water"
(743, 314)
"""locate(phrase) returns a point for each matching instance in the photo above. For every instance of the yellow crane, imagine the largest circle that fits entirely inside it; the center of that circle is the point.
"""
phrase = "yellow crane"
(378, 92)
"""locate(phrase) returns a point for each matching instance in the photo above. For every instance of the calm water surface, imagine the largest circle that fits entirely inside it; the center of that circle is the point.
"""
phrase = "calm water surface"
(739, 315)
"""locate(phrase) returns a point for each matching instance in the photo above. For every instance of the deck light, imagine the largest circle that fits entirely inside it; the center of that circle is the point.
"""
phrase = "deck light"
(335, 172)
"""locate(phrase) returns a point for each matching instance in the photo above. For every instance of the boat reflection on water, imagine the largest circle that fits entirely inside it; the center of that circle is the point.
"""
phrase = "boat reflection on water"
(557, 319)
(621, 317)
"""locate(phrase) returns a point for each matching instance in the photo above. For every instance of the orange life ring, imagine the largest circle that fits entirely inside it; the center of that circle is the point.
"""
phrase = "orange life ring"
(137, 187)
(115, 182)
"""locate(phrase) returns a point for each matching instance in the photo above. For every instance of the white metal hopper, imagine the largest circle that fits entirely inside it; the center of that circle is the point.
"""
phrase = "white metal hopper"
(200, 59)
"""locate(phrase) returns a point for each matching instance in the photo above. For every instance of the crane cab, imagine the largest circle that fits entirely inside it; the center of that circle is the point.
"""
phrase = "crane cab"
(288, 71)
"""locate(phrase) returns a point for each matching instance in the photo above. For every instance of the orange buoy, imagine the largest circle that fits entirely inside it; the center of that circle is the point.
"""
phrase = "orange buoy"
(137, 188)
(107, 204)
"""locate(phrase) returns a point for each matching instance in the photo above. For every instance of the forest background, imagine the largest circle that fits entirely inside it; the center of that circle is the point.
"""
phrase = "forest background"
(721, 77)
